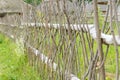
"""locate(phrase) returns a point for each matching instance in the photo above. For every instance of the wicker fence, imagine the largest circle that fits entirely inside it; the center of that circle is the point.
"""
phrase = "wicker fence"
(63, 46)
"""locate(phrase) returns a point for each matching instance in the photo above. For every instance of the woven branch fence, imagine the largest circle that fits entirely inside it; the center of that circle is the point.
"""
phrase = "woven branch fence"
(61, 44)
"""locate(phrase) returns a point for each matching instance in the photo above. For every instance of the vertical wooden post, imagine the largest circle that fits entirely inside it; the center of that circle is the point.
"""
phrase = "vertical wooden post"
(99, 43)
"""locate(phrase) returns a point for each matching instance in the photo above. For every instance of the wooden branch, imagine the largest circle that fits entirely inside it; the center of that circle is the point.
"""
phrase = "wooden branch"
(111, 2)
(99, 41)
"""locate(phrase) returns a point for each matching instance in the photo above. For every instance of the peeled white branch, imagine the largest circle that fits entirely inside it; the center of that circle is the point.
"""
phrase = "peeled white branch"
(107, 39)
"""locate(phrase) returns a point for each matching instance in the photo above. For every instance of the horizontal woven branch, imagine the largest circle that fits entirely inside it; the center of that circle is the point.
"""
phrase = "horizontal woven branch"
(107, 39)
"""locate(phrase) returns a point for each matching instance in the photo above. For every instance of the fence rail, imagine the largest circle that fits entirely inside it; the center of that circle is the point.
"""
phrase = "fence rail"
(89, 28)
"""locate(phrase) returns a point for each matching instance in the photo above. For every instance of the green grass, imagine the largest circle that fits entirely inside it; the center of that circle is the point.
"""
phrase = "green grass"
(13, 62)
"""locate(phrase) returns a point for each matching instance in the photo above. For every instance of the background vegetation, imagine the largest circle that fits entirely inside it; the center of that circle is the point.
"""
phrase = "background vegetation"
(38, 1)
(34, 2)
